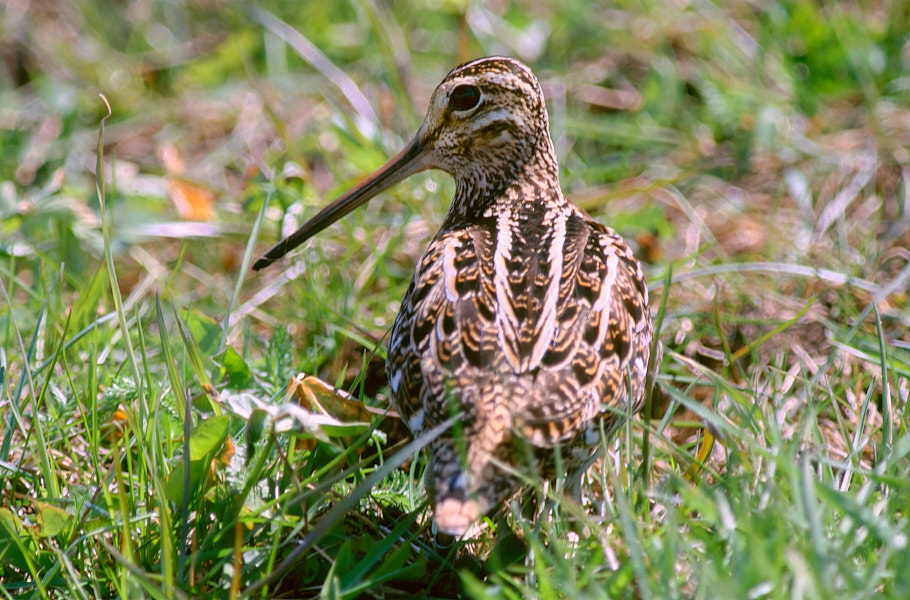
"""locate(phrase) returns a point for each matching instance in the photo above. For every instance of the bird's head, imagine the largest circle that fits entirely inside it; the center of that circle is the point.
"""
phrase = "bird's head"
(486, 121)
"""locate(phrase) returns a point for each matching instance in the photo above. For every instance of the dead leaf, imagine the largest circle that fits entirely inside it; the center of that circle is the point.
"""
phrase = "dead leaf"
(318, 395)
(193, 202)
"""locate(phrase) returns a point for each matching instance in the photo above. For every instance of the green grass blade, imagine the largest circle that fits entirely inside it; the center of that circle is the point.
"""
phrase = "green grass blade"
(339, 510)
(109, 254)
(184, 407)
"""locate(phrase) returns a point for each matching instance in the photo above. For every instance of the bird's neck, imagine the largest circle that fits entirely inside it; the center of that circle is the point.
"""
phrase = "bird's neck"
(510, 187)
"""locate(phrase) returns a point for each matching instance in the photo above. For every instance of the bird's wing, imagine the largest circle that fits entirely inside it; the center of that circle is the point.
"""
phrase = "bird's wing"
(445, 333)
(598, 351)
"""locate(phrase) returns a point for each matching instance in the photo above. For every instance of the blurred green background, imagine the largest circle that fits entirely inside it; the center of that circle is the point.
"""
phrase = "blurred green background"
(759, 148)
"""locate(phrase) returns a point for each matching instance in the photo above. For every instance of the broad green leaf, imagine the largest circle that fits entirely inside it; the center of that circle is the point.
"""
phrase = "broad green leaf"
(52, 520)
(205, 330)
(238, 372)
(13, 549)
(209, 437)
(206, 442)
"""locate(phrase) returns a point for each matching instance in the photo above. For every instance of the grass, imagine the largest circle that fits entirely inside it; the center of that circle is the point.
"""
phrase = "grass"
(147, 448)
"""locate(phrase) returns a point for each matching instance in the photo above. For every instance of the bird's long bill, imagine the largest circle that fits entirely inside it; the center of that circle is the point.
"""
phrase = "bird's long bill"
(403, 165)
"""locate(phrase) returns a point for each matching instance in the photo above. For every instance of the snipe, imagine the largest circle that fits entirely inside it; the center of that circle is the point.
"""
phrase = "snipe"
(524, 316)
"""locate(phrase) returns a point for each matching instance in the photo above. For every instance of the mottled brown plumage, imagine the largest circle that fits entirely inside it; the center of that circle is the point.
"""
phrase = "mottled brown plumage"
(525, 317)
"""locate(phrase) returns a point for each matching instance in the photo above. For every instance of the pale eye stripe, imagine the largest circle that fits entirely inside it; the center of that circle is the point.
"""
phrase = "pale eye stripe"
(502, 115)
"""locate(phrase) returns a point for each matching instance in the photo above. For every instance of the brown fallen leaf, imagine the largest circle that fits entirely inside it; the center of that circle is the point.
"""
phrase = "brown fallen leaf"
(192, 201)
(315, 394)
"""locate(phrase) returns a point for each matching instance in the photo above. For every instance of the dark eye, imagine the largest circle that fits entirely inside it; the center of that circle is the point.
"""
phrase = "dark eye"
(464, 97)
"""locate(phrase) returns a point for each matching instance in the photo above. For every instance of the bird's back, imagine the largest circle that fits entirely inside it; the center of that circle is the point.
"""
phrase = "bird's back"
(531, 322)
